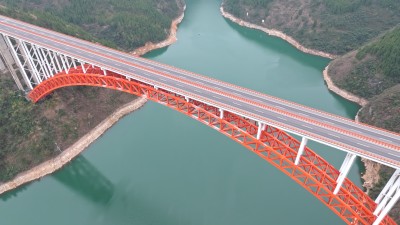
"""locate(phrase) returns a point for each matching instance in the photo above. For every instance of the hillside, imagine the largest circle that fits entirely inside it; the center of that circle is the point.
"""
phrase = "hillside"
(32, 133)
(331, 26)
(123, 24)
(373, 72)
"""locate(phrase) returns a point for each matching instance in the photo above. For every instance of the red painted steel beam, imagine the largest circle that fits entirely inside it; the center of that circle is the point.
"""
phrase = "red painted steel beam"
(275, 146)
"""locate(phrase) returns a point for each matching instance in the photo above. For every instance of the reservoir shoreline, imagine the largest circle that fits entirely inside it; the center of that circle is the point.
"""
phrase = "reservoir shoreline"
(56, 163)
(276, 33)
(371, 175)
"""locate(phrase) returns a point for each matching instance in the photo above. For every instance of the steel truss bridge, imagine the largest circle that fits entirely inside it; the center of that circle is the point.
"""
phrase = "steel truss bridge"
(48, 60)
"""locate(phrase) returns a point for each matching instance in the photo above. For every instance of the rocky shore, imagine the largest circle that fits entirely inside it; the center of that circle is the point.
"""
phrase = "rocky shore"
(149, 46)
(70, 153)
(276, 33)
(345, 94)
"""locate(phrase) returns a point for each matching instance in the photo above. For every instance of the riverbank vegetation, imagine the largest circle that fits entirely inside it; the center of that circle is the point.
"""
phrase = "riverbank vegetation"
(32, 133)
(331, 26)
(373, 72)
(123, 24)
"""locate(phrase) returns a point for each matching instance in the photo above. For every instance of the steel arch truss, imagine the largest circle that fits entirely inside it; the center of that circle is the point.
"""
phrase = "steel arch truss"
(273, 145)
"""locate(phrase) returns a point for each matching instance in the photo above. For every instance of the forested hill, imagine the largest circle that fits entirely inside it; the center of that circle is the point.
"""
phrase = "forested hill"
(32, 133)
(332, 26)
(373, 72)
(123, 24)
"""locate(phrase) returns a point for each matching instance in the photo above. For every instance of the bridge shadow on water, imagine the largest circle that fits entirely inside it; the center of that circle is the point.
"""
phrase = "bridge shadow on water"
(84, 179)
(80, 177)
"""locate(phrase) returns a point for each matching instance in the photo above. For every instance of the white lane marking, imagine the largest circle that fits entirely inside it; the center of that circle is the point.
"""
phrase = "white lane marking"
(392, 154)
(307, 127)
(384, 139)
(282, 118)
(178, 84)
(236, 103)
(216, 97)
(161, 78)
(335, 136)
(362, 144)
(329, 122)
(302, 114)
(197, 91)
(258, 110)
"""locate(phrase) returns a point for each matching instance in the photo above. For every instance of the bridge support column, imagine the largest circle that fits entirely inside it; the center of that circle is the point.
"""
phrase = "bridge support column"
(344, 170)
(66, 69)
(74, 63)
(9, 61)
(56, 66)
(46, 62)
(388, 197)
(55, 57)
(19, 63)
(261, 127)
(187, 99)
(301, 150)
(221, 113)
(30, 62)
(41, 62)
(83, 66)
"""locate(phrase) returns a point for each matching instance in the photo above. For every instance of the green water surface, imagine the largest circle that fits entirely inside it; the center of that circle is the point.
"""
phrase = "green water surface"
(157, 166)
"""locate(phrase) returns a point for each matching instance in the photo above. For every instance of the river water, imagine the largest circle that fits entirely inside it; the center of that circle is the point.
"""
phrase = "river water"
(157, 166)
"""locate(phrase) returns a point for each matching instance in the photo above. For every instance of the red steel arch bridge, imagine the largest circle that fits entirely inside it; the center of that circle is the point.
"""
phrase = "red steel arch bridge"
(48, 60)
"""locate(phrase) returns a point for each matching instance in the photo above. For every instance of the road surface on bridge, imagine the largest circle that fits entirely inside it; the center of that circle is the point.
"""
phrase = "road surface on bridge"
(341, 133)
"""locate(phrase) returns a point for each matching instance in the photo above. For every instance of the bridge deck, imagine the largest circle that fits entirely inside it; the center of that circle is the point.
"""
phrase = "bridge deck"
(341, 133)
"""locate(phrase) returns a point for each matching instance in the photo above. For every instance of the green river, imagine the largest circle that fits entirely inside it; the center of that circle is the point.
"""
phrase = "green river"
(157, 166)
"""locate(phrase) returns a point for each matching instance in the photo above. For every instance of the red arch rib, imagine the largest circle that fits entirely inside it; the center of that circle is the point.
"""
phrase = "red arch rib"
(275, 146)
